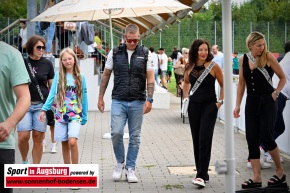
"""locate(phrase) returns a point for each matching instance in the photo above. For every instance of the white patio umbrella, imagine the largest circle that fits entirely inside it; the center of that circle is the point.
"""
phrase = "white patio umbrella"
(91, 10)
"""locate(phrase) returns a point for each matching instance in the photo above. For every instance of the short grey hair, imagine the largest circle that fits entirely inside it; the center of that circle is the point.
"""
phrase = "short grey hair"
(132, 28)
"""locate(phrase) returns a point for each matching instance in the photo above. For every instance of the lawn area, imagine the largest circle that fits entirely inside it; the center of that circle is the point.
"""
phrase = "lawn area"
(171, 86)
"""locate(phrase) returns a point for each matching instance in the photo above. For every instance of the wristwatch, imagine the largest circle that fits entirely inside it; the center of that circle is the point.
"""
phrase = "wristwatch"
(150, 99)
(221, 102)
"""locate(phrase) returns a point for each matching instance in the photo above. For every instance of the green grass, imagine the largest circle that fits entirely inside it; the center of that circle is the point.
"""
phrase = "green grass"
(171, 86)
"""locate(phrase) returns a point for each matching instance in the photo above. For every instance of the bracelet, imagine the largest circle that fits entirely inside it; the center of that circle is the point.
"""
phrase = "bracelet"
(276, 93)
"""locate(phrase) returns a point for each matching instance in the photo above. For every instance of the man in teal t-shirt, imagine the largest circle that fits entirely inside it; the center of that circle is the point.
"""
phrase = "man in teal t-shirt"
(235, 63)
(14, 81)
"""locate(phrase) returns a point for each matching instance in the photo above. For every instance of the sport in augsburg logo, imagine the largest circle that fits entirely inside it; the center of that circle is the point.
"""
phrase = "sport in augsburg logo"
(68, 5)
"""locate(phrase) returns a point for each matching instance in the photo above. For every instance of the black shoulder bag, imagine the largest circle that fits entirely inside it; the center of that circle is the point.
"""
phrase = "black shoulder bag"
(49, 113)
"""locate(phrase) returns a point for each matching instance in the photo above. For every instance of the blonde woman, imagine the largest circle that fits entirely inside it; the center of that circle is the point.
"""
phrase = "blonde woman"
(69, 88)
(256, 70)
(180, 66)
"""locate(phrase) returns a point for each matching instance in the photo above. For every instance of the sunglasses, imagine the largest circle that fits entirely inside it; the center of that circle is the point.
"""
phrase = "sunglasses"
(132, 40)
(40, 47)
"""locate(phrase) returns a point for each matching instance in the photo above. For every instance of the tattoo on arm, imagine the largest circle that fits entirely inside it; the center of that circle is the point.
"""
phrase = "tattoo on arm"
(150, 89)
(105, 82)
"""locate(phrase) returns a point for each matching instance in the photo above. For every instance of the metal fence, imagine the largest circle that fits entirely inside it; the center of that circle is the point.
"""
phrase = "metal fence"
(10, 36)
(182, 34)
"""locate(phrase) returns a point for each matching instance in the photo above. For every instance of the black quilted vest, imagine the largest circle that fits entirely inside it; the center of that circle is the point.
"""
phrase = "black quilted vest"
(129, 80)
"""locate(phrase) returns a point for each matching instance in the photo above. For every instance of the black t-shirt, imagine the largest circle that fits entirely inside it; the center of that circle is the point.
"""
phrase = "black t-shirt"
(43, 70)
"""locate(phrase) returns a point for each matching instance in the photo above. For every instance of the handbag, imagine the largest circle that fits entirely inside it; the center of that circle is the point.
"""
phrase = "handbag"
(179, 71)
(80, 54)
(49, 113)
(185, 102)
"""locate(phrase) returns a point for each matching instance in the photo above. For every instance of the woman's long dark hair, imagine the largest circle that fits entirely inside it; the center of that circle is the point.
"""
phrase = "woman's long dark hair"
(193, 53)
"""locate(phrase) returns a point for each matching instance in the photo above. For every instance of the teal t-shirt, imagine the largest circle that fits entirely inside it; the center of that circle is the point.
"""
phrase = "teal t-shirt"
(236, 63)
(12, 73)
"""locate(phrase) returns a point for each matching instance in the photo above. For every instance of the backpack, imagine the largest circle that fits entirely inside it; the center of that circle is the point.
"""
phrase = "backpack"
(44, 25)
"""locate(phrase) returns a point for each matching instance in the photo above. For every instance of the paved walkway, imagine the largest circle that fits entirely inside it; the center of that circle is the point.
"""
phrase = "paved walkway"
(165, 144)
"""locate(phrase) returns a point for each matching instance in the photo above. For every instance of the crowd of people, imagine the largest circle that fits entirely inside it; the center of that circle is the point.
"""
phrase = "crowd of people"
(136, 69)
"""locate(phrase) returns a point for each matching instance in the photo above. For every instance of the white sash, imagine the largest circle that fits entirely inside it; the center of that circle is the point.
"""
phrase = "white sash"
(262, 70)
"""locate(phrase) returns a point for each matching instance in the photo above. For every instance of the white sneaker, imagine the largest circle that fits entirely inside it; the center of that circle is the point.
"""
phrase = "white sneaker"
(249, 165)
(43, 145)
(263, 165)
(198, 182)
(53, 148)
(269, 159)
(131, 176)
(117, 175)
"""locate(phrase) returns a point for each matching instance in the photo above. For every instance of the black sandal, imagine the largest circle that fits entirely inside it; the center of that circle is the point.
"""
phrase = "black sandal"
(274, 180)
(251, 184)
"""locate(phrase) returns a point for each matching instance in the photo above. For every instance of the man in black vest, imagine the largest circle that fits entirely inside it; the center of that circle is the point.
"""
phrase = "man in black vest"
(132, 66)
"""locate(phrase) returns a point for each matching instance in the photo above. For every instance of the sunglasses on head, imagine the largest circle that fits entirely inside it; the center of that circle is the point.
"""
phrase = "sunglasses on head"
(40, 47)
(132, 40)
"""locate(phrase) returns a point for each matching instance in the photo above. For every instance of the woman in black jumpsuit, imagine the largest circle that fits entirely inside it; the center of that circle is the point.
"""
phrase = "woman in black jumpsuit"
(261, 106)
(203, 105)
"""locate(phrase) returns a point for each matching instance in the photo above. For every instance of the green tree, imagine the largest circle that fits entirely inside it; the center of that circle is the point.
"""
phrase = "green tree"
(13, 8)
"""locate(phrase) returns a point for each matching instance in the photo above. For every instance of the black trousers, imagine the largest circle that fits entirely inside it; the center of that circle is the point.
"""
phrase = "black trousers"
(260, 117)
(202, 118)
(7, 156)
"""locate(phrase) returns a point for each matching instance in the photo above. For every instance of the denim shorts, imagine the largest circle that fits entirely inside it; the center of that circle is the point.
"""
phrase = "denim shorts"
(163, 73)
(64, 131)
(31, 121)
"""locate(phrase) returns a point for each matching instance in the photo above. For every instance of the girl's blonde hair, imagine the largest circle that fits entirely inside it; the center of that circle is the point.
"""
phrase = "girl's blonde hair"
(183, 50)
(251, 40)
(62, 78)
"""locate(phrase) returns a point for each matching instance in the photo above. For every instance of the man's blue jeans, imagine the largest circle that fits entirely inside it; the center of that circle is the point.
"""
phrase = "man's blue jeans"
(50, 33)
(122, 111)
(156, 76)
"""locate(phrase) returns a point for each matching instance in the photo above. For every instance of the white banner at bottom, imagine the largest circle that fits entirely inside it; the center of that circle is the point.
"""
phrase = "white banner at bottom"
(51, 175)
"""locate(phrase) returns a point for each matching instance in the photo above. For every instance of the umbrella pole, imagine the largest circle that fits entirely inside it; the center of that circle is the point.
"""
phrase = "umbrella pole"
(111, 29)
(229, 131)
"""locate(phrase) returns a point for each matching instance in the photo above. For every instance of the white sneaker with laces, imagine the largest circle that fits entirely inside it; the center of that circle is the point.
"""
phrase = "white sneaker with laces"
(130, 174)
(53, 148)
(117, 175)
(269, 159)
(43, 145)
